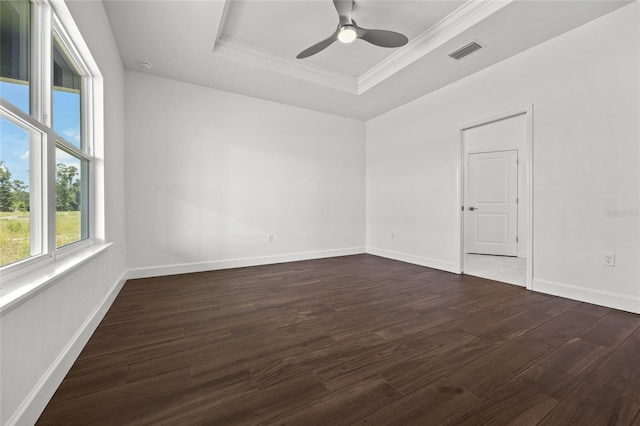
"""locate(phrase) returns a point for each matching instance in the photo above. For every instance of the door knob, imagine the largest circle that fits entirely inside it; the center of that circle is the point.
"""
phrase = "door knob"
(473, 208)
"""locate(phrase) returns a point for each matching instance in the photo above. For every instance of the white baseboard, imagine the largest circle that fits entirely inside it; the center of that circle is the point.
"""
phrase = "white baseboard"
(187, 268)
(35, 403)
(416, 260)
(596, 297)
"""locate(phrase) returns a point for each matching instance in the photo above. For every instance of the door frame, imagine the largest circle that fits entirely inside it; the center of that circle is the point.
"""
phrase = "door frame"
(528, 111)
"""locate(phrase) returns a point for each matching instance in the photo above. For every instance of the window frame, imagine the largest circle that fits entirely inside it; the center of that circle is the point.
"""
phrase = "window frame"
(50, 21)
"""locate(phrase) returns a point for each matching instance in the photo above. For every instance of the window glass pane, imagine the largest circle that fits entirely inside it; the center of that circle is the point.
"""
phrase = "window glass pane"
(14, 52)
(71, 198)
(15, 218)
(66, 96)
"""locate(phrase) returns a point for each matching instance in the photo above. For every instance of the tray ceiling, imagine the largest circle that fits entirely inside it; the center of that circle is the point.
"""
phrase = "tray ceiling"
(249, 47)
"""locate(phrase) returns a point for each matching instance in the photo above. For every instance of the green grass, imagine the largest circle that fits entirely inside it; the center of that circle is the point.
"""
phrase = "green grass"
(14, 237)
(67, 228)
(15, 241)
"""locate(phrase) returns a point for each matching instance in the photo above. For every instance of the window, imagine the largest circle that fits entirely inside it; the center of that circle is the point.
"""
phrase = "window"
(46, 149)
(19, 230)
(15, 27)
(66, 96)
(71, 198)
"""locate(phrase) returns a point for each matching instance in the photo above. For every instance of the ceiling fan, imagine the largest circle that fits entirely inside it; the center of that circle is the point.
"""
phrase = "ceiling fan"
(348, 31)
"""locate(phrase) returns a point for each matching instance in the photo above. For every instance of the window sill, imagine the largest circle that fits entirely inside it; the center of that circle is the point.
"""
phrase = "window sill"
(14, 292)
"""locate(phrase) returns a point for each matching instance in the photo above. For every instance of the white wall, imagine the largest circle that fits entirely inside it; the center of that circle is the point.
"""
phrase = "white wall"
(41, 337)
(584, 86)
(211, 174)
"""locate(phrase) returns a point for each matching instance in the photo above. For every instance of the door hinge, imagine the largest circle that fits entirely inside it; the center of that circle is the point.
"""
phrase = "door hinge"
(517, 161)
(517, 238)
(517, 200)
(462, 208)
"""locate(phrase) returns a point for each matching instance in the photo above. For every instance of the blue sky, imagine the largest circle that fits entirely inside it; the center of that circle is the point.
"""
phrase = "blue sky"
(14, 142)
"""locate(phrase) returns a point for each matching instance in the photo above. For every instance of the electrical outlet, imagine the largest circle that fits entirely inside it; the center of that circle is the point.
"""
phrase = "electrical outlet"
(609, 259)
(270, 238)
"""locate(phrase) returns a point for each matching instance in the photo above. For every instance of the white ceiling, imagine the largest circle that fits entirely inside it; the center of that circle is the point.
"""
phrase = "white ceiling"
(249, 47)
(271, 24)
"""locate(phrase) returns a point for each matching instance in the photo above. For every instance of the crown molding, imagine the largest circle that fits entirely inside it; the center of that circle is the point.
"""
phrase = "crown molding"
(276, 62)
(223, 21)
(460, 20)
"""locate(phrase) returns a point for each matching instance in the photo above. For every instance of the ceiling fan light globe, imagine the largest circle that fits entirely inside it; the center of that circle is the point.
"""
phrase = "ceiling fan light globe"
(347, 34)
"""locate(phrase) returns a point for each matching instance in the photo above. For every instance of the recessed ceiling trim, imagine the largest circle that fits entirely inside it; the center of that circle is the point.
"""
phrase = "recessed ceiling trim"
(460, 20)
(269, 60)
(223, 20)
(463, 18)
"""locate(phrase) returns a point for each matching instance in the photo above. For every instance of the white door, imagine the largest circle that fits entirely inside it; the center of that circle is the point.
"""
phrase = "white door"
(491, 207)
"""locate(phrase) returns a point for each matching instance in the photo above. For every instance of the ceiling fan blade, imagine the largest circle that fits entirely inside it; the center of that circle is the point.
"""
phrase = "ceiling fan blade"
(318, 47)
(383, 38)
(344, 8)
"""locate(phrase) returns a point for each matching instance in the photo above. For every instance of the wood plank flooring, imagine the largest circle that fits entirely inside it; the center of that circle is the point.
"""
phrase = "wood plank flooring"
(350, 340)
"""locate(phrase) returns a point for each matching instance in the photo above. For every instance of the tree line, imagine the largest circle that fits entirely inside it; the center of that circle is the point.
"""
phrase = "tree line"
(14, 193)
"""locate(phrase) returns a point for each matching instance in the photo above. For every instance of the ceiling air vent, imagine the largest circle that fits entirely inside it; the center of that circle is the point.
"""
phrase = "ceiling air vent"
(465, 50)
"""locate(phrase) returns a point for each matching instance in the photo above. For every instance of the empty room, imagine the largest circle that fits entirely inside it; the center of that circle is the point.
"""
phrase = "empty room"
(319, 212)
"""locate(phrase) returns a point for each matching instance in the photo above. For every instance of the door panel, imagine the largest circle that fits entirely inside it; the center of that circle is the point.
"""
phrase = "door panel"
(491, 213)
(492, 228)
(492, 180)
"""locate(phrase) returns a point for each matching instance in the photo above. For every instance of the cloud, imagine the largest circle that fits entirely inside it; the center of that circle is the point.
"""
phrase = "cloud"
(62, 157)
(72, 135)
(25, 156)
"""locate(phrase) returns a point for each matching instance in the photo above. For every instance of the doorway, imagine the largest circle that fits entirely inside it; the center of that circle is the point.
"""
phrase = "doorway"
(495, 199)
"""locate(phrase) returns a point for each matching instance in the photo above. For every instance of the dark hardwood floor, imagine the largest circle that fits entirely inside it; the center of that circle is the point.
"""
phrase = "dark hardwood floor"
(350, 340)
